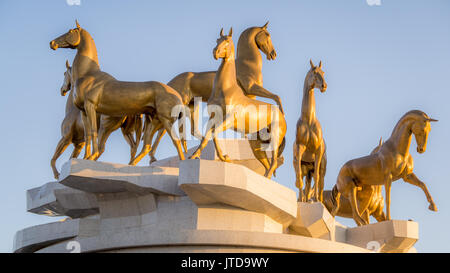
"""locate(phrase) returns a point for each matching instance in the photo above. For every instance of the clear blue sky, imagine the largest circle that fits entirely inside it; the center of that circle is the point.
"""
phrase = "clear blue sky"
(380, 62)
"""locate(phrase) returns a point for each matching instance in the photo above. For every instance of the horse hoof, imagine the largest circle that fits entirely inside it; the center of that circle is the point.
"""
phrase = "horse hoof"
(193, 157)
(432, 207)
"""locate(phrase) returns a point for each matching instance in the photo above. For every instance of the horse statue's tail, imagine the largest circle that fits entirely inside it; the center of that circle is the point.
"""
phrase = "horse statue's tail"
(280, 151)
(335, 200)
(138, 128)
(281, 147)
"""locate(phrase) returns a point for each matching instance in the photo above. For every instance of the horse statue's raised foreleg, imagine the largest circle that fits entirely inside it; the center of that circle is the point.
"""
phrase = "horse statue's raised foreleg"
(412, 179)
(255, 89)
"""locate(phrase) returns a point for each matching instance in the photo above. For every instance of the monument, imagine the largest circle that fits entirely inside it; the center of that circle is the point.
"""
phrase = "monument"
(219, 196)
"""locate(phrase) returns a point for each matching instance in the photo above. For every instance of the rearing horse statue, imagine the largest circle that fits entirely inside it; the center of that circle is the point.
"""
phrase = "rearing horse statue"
(98, 92)
(228, 97)
(391, 162)
(248, 75)
(309, 146)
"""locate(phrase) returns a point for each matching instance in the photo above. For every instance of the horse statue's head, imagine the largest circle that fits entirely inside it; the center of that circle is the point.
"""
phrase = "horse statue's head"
(71, 39)
(420, 128)
(264, 43)
(315, 77)
(67, 84)
(225, 47)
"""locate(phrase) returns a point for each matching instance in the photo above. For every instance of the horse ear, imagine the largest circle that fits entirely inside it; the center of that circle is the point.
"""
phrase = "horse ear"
(221, 33)
(320, 65)
(230, 33)
(78, 25)
(311, 63)
(67, 64)
(265, 26)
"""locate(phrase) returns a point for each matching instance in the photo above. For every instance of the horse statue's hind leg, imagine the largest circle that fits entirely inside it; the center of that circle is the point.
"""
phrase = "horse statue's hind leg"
(299, 149)
(63, 143)
(107, 126)
(152, 125)
(78, 147)
(259, 153)
(318, 188)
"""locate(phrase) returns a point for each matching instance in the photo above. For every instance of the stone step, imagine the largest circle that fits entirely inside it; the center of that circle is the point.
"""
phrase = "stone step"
(102, 177)
(208, 182)
(238, 150)
(55, 199)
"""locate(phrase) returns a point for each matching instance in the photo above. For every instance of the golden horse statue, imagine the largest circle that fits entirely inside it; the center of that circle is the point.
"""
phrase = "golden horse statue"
(374, 208)
(72, 129)
(309, 146)
(372, 193)
(240, 112)
(248, 75)
(391, 162)
(98, 92)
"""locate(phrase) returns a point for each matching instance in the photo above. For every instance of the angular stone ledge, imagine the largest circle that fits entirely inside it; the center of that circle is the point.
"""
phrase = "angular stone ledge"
(101, 177)
(313, 220)
(55, 199)
(209, 182)
(394, 236)
(238, 150)
(190, 240)
(36, 237)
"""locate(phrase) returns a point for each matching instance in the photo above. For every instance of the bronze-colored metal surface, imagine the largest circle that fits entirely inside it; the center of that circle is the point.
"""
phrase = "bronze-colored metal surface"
(228, 98)
(372, 193)
(98, 92)
(248, 75)
(391, 162)
(72, 129)
(309, 146)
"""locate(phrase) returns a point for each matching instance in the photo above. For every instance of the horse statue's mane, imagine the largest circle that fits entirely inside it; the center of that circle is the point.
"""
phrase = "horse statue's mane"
(413, 114)
(248, 36)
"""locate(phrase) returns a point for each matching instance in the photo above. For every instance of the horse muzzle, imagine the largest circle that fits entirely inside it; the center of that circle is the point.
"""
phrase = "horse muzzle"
(420, 150)
(64, 91)
(272, 55)
(53, 45)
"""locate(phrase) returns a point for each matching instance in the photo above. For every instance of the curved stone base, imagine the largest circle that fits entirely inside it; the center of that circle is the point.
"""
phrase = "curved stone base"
(197, 206)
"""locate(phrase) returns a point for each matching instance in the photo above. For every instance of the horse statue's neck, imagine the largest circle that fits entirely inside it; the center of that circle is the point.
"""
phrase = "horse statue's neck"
(248, 51)
(402, 134)
(69, 102)
(308, 100)
(86, 60)
(226, 75)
